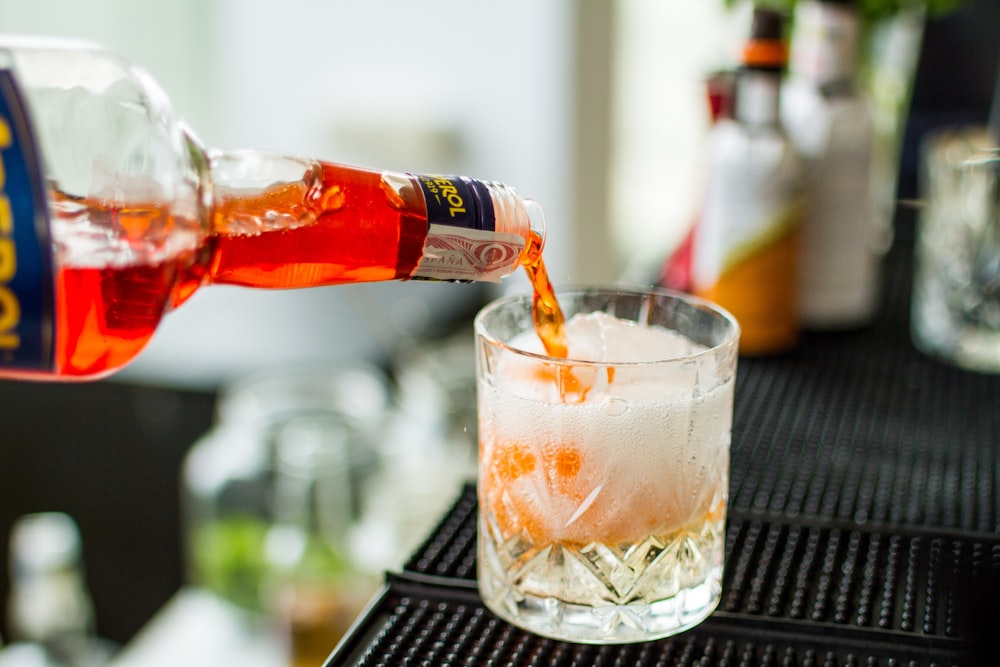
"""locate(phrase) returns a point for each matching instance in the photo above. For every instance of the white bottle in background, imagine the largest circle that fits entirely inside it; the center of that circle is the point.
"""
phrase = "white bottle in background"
(50, 612)
(831, 125)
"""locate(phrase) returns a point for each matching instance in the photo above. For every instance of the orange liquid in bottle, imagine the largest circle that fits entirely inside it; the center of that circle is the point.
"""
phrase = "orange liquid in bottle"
(348, 225)
(105, 316)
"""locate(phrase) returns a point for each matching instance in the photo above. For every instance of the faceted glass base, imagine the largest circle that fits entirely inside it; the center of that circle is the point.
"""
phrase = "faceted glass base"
(610, 624)
(598, 594)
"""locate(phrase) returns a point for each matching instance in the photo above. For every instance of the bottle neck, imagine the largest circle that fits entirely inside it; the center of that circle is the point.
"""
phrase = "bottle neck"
(757, 97)
(283, 222)
(825, 44)
(486, 244)
(767, 46)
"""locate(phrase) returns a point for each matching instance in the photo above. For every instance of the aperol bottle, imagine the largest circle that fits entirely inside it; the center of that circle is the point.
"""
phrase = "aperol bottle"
(112, 214)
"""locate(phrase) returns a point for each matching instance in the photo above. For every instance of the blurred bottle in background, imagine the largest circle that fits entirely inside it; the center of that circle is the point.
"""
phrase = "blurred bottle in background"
(746, 249)
(676, 270)
(831, 124)
(50, 611)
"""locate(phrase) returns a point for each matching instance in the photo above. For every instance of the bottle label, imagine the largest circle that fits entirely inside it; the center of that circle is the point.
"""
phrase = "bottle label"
(462, 242)
(27, 293)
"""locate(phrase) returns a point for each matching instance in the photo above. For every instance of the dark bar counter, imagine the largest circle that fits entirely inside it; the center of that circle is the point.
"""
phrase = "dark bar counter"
(864, 526)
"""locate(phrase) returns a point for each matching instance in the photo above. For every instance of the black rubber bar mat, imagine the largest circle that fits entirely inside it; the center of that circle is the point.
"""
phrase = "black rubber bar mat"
(793, 594)
(861, 426)
(414, 624)
(836, 576)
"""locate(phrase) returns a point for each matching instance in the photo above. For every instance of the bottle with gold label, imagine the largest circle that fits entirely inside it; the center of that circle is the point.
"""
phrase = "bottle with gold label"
(746, 244)
(112, 214)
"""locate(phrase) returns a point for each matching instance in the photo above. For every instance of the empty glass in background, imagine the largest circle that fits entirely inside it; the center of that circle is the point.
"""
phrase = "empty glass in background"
(272, 493)
(428, 450)
(603, 485)
(956, 289)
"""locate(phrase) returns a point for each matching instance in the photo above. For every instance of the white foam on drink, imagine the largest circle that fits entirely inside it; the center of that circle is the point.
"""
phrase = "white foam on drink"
(600, 337)
(629, 347)
(653, 438)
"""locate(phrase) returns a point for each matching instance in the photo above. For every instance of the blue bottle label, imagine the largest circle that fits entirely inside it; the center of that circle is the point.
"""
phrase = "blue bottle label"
(458, 201)
(27, 292)
(462, 242)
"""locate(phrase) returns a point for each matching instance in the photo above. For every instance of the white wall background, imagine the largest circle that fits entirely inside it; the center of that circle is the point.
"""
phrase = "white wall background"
(488, 89)
(665, 49)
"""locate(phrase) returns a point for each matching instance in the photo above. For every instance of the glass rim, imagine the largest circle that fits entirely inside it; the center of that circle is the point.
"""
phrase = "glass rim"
(265, 394)
(716, 310)
(962, 147)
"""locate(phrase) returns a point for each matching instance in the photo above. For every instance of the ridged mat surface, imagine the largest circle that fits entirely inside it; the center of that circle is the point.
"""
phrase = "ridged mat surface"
(864, 527)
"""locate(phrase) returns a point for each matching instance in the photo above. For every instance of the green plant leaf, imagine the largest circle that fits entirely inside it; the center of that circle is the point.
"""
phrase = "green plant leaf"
(872, 10)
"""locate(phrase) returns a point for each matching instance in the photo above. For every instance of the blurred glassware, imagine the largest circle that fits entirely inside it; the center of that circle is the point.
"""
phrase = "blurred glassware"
(428, 450)
(313, 588)
(956, 290)
(891, 54)
(438, 380)
(272, 493)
